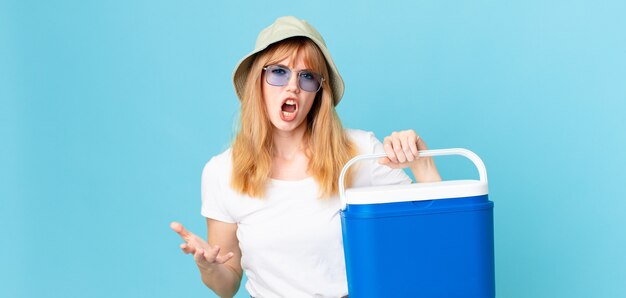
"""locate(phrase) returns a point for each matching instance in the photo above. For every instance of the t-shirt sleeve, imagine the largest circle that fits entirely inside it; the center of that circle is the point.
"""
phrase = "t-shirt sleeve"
(381, 174)
(213, 194)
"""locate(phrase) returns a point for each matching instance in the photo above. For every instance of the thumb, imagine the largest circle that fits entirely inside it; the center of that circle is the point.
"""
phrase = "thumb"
(421, 145)
(178, 228)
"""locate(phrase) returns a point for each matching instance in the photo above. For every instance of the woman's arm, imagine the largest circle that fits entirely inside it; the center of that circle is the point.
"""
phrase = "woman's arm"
(224, 236)
(402, 151)
(221, 273)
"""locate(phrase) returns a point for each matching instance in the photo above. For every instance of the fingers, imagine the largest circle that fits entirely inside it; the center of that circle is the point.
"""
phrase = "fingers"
(199, 256)
(209, 257)
(413, 145)
(187, 249)
(391, 154)
(421, 145)
(401, 147)
(214, 257)
(178, 228)
(211, 254)
(397, 149)
(223, 259)
(202, 252)
(406, 148)
(192, 242)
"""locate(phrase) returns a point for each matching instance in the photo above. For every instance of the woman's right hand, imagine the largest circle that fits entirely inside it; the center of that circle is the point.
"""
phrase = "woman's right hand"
(206, 256)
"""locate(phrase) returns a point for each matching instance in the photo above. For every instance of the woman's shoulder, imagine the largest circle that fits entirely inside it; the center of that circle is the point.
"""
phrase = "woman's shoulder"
(219, 164)
(364, 140)
(358, 135)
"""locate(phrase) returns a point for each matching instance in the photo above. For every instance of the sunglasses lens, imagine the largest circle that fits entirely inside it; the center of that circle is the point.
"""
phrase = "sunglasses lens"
(309, 81)
(277, 75)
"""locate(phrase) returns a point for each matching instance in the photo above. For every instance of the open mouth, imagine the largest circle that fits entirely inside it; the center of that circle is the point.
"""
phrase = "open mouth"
(288, 109)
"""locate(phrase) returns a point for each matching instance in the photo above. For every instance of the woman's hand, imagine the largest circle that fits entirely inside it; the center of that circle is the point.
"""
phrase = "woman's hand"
(206, 256)
(402, 150)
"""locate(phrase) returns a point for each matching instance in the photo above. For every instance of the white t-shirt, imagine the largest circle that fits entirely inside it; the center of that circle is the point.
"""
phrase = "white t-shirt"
(291, 240)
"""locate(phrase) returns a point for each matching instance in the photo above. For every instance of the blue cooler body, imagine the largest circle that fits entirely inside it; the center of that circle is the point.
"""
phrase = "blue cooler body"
(420, 240)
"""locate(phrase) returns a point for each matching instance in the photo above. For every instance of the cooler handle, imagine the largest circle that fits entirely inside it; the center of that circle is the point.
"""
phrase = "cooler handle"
(482, 171)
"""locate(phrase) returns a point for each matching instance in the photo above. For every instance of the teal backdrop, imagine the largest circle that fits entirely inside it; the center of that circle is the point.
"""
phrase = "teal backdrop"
(109, 110)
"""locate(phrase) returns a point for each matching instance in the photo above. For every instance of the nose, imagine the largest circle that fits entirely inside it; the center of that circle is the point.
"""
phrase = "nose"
(292, 85)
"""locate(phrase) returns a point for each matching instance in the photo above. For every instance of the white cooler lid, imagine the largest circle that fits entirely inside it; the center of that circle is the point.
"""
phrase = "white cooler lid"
(416, 192)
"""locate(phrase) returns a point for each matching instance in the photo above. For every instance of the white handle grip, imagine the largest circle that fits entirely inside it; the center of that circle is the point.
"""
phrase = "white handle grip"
(482, 171)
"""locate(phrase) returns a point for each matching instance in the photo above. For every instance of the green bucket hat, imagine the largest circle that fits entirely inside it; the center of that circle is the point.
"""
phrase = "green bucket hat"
(283, 28)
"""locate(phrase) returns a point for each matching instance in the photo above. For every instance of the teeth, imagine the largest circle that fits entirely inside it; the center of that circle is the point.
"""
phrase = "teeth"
(287, 113)
(290, 102)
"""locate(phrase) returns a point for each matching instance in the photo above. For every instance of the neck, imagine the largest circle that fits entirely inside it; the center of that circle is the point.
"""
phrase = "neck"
(288, 144)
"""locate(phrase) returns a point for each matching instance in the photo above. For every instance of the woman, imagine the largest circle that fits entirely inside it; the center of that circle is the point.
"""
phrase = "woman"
(270, 201)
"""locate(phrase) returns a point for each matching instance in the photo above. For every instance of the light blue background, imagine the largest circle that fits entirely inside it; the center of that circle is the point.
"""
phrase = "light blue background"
(109, 110)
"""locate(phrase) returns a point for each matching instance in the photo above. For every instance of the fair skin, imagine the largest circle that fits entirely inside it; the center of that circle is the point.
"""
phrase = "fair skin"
(219, 259)
(289, 160)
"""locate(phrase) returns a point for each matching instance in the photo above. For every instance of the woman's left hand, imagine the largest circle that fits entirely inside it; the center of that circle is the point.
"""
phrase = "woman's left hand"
(402, 150)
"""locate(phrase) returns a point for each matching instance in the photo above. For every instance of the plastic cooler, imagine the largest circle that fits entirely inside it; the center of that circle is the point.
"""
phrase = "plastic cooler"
(419, 240)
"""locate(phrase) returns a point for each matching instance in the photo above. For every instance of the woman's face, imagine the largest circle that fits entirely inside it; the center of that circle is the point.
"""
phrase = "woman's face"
(287, 106)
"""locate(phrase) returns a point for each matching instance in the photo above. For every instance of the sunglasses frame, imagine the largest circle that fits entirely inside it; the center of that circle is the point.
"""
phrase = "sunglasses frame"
(321, 80)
